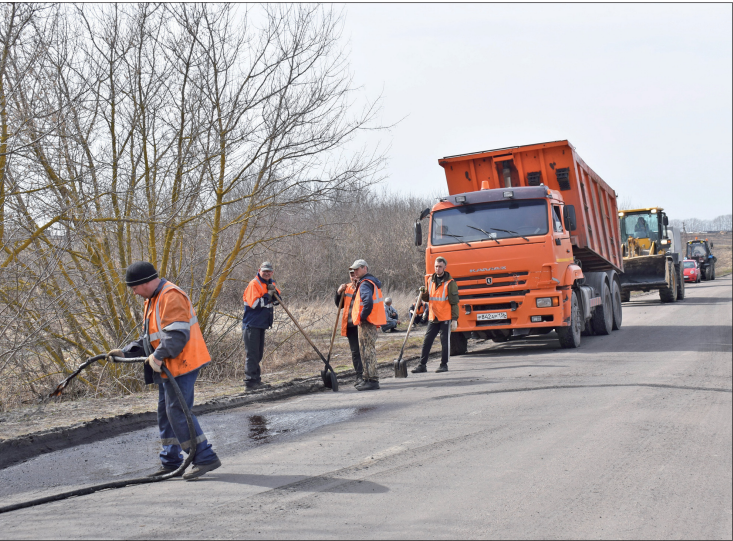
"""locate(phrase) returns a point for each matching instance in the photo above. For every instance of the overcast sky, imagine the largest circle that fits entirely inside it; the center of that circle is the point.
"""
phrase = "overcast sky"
(643, 92)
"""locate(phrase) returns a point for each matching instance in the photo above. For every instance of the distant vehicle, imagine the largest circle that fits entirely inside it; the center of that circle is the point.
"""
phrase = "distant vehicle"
(691, 270)
(700, 251)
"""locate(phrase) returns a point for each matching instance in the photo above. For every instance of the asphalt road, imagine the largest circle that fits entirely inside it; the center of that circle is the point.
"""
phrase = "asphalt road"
(627, 437)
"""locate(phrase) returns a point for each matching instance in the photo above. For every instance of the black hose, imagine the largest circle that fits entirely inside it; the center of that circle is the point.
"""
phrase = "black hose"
(128, 482)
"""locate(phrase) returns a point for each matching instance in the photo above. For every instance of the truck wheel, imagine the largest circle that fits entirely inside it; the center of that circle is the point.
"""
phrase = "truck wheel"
(570, 336)
(669, 293)
(616, 299)
(712, 270)
(458, 344)
(625, 296)
(680, 283)
(603, 315)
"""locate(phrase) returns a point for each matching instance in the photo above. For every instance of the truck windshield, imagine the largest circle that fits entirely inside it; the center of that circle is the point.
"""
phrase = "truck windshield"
(696, 250)
(490, 221)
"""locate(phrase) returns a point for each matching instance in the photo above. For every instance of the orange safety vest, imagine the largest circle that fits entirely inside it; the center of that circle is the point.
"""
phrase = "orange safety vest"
(254, 292)
(348, 298)
(377, 317)
(171, 310)
(420, 310)
(439, 304)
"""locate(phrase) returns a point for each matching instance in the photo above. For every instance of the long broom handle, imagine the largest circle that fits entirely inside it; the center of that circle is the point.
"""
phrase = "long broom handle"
(418, 302)
(277, 297)
(335, 325)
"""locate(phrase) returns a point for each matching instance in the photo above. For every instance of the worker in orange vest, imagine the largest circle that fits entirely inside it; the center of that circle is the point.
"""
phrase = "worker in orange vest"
(442, 293)
(367, 313)
(258, 316)
(420, 311)
(171, 333)
(348, 329)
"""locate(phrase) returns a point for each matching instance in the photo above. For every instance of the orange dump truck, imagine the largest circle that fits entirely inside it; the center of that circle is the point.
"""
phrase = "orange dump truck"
(531, 237)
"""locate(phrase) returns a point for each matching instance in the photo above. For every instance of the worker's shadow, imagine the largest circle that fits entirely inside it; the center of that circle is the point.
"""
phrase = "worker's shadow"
(301, 483)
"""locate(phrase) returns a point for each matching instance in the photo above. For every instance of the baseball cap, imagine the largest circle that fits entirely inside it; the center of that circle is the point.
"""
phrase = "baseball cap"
(266, 266)
(358, 264)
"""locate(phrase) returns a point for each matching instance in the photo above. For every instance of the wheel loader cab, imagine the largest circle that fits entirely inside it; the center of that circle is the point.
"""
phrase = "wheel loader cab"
(644, 232)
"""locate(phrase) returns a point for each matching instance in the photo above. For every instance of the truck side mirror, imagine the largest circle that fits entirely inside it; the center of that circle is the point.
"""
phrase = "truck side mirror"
(418, 233)
(711, 245)
(424, 213)
(569, 216)
(665, 220)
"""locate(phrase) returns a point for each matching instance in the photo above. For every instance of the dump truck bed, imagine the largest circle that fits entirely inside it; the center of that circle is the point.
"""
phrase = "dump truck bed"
(596, 241)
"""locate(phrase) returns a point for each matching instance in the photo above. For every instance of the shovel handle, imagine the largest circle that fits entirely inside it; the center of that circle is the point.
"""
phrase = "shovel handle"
(335, 325)
(278, 299)
(418, 302)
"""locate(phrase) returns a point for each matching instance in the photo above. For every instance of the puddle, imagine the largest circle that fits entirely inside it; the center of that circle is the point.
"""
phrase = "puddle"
(230, 432)
(136, 453)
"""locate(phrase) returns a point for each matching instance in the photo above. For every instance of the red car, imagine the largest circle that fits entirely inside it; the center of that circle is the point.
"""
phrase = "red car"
(691, 271)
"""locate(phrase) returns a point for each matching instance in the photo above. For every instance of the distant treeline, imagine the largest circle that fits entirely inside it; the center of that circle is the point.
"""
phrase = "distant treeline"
(691, 225)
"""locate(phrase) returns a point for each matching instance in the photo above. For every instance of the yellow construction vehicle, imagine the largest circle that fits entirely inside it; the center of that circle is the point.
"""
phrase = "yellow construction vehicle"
(651, 252)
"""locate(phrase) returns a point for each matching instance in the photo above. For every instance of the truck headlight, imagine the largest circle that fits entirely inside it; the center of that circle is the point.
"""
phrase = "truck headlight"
(547, 302)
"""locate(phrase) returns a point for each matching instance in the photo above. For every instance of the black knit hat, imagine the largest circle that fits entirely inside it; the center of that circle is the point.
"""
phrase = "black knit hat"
(140, 272)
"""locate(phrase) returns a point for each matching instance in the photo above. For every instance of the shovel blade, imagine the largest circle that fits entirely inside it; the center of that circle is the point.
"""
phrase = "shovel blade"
(400, 368)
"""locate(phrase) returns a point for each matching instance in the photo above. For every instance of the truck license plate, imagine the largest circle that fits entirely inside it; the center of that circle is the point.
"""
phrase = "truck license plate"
(488, 317)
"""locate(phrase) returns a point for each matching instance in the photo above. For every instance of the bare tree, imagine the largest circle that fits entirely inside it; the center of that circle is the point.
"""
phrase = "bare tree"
(183, 134)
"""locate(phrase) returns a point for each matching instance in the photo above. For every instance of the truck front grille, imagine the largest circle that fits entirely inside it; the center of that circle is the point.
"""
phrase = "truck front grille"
(493, 295)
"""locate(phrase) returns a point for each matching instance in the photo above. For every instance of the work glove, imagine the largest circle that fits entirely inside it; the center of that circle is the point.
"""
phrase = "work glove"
(453, 325)
(423, 289)
(114, 353)
(271, 288)
(154, 364)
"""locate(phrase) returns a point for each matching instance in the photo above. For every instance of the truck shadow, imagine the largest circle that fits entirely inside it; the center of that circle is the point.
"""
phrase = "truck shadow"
(300, 483)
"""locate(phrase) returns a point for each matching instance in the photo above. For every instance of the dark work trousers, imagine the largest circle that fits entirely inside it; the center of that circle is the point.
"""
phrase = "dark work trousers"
(434, 327)
(352, 333)
(174, 433)
(254, 344)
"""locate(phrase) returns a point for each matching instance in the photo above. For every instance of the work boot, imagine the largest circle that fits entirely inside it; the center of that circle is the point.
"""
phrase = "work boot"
(199, 469)
(419, 369)
(359, 380)
(254, 385)
(442, 368)
(368, 385)
(163, 471)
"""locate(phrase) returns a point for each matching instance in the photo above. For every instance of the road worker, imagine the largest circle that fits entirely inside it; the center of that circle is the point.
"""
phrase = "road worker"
(367, 312)
(420, 311)
(171, 333)
(391, 315)
(442, 293)
(258, 316)
(348, 329)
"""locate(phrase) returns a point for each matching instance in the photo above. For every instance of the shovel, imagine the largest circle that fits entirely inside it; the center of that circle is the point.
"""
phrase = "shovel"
(400, 366)
(333, 336)
(327, 375)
